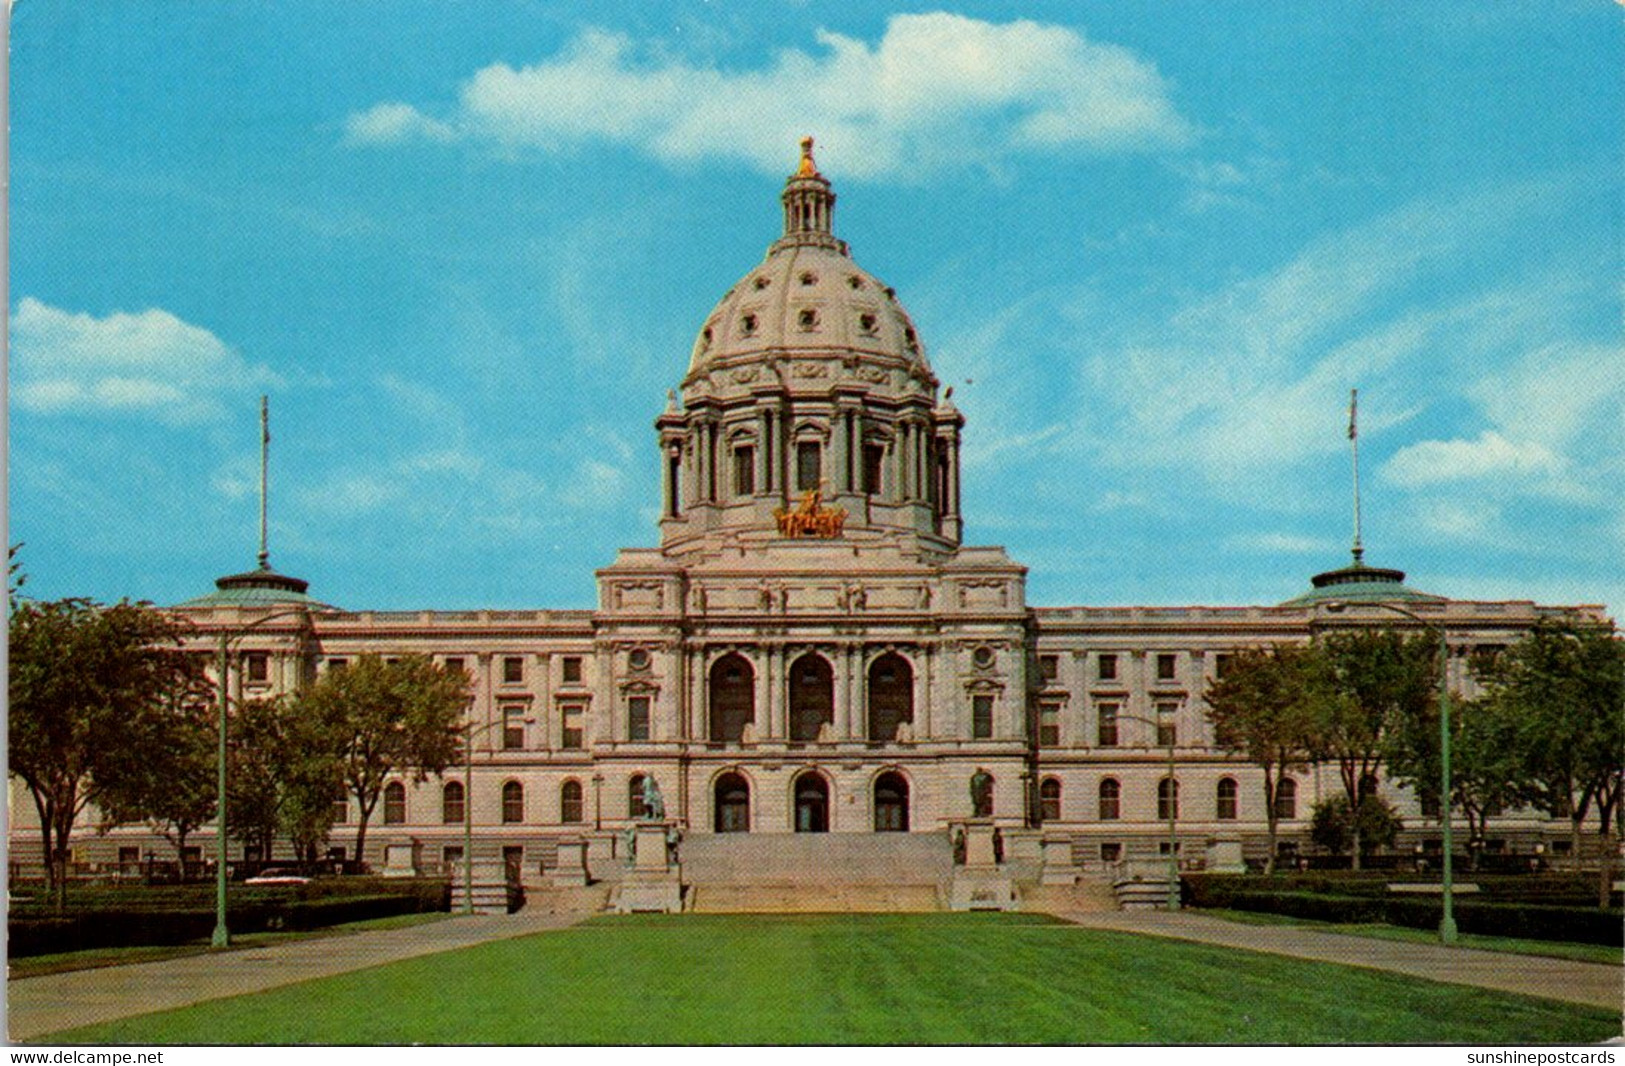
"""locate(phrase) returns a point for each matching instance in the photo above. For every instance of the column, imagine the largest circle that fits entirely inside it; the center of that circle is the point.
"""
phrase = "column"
(839, 479)
(925, 708)
(858, 722)
(777, 714)
(764, 454)
(843, 690)
(698, 727)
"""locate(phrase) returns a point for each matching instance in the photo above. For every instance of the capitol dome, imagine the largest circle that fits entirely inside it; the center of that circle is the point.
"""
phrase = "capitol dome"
(808, 298)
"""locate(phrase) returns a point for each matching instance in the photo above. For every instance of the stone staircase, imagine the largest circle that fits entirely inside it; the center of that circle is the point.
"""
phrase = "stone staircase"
(816, 872)
(1084, 896)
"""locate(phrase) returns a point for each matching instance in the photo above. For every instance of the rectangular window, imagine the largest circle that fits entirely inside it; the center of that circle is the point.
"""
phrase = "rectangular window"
(455, 666)
(572, 669)
(1221, 663)
(874, 461)
(258, 667)
(744, 470)
(1167, 728)
(1111, 852)
(341, 808)
(513, 727)
(1107, 737)
(337, 664)
(513, 861)
(1106, 667)
(513, 670)
(451, 859)
(637, 718)
(129, 856)
(982, 717)
(809, 471)
(1049, 667)
(1166, 666)
(572, 715)
(1049, 724)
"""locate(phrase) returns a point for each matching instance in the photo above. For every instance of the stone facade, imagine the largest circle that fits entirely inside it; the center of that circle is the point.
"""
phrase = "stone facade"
(811, 648)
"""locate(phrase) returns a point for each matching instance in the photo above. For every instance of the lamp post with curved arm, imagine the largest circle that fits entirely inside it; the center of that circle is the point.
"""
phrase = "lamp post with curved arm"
(222, 934)
(1447, 922)
(1173, 813)
(470, 733)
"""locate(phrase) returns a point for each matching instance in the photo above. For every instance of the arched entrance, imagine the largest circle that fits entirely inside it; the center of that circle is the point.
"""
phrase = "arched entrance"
(812, 696)
(891, 803)
(732, 795)
(891, 696)
(733, 698)
(812, 803)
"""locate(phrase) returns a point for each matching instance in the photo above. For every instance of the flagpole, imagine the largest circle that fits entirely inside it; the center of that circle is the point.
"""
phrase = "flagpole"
(1354, 448)
(265, 461)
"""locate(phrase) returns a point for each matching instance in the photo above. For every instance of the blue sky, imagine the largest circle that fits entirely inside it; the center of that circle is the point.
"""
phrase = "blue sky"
(465, 250)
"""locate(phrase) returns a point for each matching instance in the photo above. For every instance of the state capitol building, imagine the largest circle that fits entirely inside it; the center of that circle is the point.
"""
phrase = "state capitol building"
(812, 649)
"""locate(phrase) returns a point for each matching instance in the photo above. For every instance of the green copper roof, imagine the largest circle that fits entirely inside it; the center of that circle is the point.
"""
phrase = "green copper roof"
(1361, 584)
(256, 588)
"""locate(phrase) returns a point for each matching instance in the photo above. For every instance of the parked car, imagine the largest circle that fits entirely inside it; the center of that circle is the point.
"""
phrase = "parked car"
(278, 875)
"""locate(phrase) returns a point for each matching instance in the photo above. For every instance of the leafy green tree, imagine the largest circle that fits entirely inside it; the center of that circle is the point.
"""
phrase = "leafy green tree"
(380, 717)
(285, 773)
(167, 775)
(1377, 826)
(1265, 707)
(93, 690)
(1565, 687)
(1380, 679)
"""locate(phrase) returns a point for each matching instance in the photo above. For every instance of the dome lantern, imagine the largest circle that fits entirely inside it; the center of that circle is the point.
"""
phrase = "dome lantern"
(809, 205)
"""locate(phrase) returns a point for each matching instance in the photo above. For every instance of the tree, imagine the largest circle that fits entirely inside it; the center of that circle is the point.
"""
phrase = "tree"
(1264, 707)
(285, 773)
(92, 691)
(1565, 687)
(1377, 826)
(166, 777)
(1380, 678)
(380, 716)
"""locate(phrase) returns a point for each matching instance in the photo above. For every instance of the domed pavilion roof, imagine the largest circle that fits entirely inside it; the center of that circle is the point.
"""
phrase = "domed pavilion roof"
(808, 297)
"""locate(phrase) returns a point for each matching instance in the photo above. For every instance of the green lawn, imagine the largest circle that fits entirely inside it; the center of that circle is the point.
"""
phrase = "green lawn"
(859, 979)
(1557, 949)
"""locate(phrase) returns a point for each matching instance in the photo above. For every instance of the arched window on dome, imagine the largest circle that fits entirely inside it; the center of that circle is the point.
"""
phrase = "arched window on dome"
(809, 465)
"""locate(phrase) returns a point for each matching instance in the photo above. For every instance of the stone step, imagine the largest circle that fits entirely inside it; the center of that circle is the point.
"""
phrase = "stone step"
(828, 859)
(814, 899)
(1069, 899)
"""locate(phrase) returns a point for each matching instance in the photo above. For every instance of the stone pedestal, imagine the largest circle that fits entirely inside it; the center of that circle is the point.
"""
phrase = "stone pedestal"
(403, 860)
(572, 864)
(654, 884)
(1224, 856)
(982, 883)
(1057, 861)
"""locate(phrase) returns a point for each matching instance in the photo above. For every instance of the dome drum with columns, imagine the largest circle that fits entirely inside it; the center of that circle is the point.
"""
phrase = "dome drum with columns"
(809, 376)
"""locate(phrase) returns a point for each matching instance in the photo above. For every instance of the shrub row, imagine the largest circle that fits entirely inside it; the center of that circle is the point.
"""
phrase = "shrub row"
(125, 898)
(1533, 921)
(109, 926)
(1578, 890)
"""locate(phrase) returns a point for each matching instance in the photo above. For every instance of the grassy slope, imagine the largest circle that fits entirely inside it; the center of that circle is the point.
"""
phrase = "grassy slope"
(859, 979)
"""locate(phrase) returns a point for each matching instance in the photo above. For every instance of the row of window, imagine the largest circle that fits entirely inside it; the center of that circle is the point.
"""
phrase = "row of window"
(1107, 733)
(1110, 799)
(513, 667)
(1166, 666)
(454, 810)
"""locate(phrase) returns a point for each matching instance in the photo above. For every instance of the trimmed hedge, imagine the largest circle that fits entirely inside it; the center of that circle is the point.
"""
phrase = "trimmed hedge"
(1533, 921)
(150, 918)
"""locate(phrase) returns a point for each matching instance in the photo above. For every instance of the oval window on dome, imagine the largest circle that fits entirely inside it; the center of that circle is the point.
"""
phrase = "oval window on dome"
(748, 324)
(809, 278)
(854, 281)
(808, 318)
(868, 323)
(762, 283)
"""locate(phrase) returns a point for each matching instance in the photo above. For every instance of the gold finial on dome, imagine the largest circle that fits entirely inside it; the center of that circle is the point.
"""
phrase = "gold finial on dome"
(808, 168)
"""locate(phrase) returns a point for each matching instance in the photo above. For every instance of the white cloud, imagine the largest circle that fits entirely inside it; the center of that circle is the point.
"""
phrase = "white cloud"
(394, 123)
(1435, 462)
(936, 90)
(150, 363)
(1284, 543)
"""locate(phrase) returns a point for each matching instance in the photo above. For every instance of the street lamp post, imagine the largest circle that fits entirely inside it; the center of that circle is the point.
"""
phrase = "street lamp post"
(222, 933)
(1173, 814)
(468, 811)
(1447, 922)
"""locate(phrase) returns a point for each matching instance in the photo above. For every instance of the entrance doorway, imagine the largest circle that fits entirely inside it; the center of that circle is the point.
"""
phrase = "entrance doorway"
(812, 803)
(732, 796)
(891, 803)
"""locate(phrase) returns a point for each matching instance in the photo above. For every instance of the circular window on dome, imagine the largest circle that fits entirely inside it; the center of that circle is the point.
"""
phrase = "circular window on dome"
(807, 319)
(747, 324)
(854, 281)
(868, 323)
(638, 659)
(809, 278)
(982, 657)
(762, 283)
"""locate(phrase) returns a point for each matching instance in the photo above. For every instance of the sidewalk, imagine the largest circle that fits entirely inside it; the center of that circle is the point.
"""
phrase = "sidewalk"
(1588, 983)
(39, 1005)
